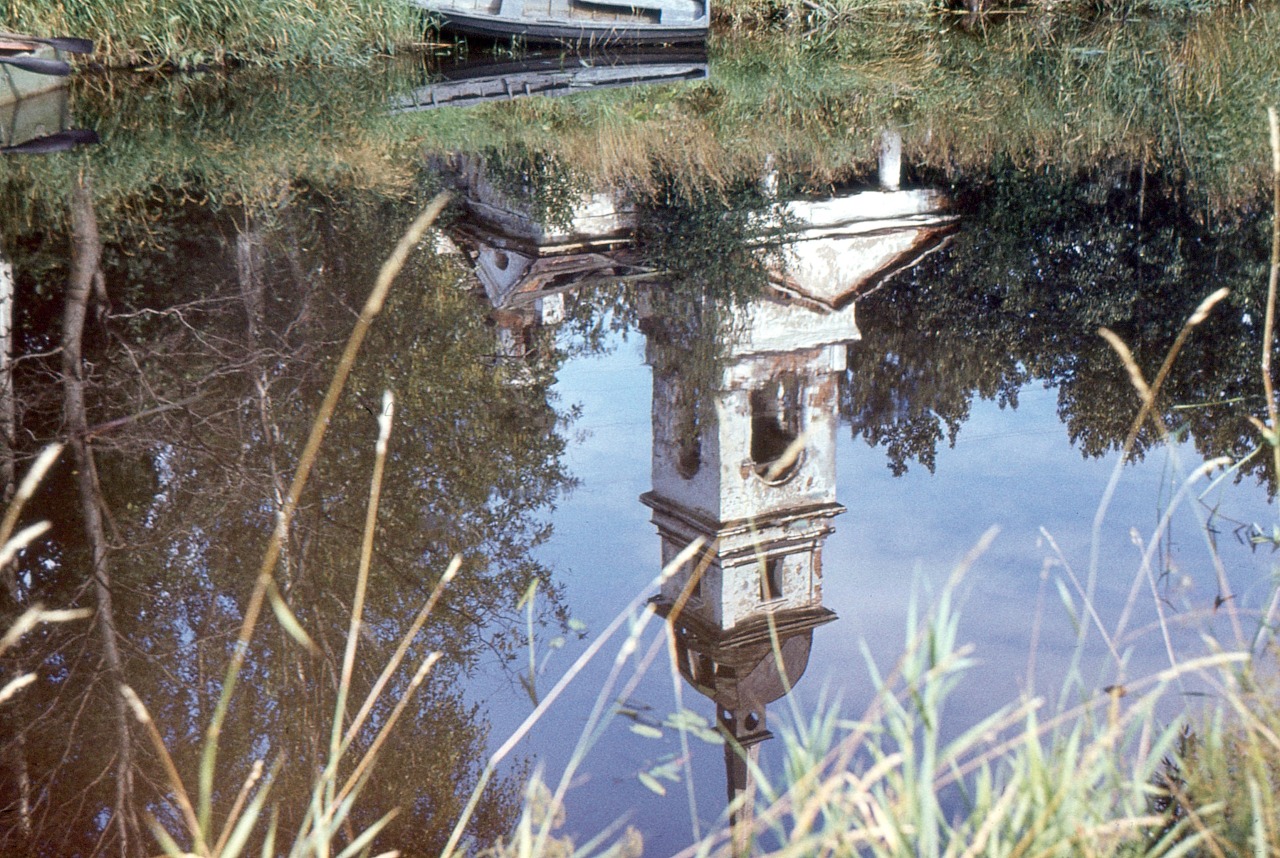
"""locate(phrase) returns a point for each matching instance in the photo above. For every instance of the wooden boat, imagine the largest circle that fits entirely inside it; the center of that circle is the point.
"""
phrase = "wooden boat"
(582, 23)
(466, 84)
(29, 68)
(34, 114)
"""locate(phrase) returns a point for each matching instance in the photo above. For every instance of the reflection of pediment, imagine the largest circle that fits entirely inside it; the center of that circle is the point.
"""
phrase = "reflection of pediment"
(525, 263)
(848, 245)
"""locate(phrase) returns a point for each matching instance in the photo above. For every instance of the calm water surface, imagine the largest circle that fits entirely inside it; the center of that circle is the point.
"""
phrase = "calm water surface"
(840, 388)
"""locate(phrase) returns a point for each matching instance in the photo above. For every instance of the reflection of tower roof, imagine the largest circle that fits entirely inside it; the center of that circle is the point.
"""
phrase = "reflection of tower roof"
(741, 669)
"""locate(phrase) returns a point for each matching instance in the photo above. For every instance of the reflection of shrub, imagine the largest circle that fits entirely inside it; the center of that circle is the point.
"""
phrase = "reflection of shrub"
(1041, 260)
(1221, 785)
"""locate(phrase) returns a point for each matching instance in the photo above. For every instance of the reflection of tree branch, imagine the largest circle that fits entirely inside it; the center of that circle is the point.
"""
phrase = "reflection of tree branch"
(86, 256)
(111, 425)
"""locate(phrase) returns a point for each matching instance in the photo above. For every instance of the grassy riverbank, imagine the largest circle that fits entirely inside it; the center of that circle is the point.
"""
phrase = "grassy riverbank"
(193, 33)
(1180, 98)
(189, 33)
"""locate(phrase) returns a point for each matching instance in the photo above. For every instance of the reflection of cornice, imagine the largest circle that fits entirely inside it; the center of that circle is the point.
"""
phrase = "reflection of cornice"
(750, 633)
(511, 231)
(696, 521)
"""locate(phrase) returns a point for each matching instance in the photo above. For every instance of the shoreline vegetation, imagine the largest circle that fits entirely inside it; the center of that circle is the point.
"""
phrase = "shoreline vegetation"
(1178, 96)
(198, 33)
(1072, 88)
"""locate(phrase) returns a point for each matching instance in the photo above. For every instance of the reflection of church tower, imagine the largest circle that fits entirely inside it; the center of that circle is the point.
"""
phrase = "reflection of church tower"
(526, 262)
(743, 614)
(725, 467)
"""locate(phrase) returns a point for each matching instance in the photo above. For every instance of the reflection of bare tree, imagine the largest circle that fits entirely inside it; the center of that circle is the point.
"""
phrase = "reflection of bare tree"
(7, 417)
(224, 336)
(86, 278)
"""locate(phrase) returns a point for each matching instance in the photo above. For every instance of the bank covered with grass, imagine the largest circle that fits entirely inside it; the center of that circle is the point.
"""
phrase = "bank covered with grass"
(1182, 97)
(192, 33)
(195, 33)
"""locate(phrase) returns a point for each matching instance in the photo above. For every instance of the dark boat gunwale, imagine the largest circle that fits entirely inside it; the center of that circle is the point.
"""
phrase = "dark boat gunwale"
(579, 33)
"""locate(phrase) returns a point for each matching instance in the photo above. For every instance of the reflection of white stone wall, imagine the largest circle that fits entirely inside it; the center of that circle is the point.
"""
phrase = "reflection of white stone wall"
(726, 487)
(707, 604)
(598, 215)
(593, 216)
(752, 523)
(731, 590)
(740, 596)
(701, 492)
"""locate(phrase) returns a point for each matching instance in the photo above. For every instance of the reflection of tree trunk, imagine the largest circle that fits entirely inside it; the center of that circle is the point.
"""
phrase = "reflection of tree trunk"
(301, 736)
(7, 425)
(15, 751)
(86, 276)
(252, 288)
(16, 760)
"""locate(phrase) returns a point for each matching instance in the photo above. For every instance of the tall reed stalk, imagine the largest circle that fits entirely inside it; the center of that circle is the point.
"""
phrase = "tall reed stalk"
(333, 792)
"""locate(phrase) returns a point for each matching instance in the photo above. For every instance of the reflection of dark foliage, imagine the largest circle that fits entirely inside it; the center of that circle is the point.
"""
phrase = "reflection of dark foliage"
(226, 339)
(1171, 800)
(715, 261)
(539, 183)
(1041, 261)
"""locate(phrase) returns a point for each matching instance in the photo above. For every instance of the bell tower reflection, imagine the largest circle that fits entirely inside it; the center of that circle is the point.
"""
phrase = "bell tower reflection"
(745, 460)
(748, 466)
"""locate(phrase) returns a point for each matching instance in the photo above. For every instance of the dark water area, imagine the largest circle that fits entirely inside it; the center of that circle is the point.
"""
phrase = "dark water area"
(838, 390)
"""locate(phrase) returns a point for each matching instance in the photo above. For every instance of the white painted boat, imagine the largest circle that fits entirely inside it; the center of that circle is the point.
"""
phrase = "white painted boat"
(582, 23)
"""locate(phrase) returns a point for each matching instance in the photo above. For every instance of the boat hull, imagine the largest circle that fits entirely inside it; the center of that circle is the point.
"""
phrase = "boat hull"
(565, 22)
(477, 83)
(17, 83)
